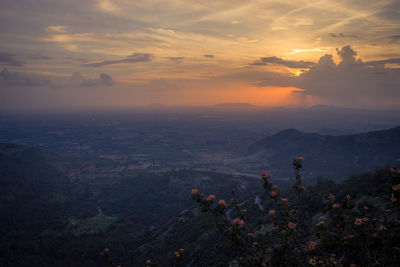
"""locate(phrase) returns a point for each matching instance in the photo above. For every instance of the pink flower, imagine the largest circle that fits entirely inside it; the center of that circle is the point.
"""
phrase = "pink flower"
(210, 198)
(358, 221)
(238, 221)
(350, 236)
(331, 196)
(265, 175)
(312, 245)
(366, 208)
(321, 224)
(250, 234)
(393, 170)
(313, 262)
(335, 206)
(275, 187)
(273, 194)
(222, 203)
(396, 187)
(347, 197)
(284, 200)
(299, 158)
(291, 225)
(365, 219)
(148, 262)
(255, 244)
(194, 191)
(177, 255)
(271, 212)
(382, 228)
(333, 259)
(182, 250)
(393, 198)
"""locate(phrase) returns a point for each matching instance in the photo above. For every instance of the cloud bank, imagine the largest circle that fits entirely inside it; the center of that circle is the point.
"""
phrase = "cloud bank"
(350, 82)
(22, 79)
(287, 63)
(78, 79)
(134, 58)
(12, 79)
(7, 59)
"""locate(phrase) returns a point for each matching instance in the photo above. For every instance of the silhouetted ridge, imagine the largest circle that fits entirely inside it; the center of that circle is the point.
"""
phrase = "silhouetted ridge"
(353, 153)
(289, 133)
(288, 137)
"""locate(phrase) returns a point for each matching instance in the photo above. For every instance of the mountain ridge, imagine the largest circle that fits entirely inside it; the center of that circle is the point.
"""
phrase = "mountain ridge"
(353, 152)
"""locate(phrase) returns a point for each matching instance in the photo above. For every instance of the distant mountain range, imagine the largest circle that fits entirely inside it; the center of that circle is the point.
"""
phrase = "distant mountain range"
(329, 156)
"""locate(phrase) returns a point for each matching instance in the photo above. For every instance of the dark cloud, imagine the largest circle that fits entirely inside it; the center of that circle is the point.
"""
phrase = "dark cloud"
(21, 90)
(134, 58)
(347, 54)
(287, 63)
(394, 38)
(176, 59)
(21, 79)
(209, 56)
(106, 79)
(83, 60)
(7, 59)
(40, 57)
(383, 62)
(78, 79)
(297, 92)
(10, 78)
(342, 35)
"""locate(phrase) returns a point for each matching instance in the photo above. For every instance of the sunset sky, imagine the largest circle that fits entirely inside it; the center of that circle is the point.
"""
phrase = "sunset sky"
(125, 53)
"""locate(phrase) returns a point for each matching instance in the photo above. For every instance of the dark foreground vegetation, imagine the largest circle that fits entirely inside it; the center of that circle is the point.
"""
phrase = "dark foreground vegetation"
(356, 224)
(353, 223)
(47, 219)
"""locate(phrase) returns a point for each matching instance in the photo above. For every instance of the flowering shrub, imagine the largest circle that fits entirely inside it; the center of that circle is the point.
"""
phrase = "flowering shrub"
(347, 232)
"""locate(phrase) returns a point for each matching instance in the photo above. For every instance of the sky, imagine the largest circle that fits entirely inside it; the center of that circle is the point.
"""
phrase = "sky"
(127, 53)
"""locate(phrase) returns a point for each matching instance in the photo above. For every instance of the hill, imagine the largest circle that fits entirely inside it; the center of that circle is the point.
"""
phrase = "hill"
(32, 184)
(204, 245)
(331, 156)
